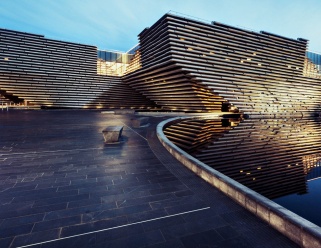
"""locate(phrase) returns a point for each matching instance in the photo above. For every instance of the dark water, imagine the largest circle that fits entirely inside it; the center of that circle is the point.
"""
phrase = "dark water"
(278, 158)
(307, 205)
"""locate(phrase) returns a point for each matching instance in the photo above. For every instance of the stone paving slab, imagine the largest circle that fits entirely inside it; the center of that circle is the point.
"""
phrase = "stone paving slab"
(61, 186)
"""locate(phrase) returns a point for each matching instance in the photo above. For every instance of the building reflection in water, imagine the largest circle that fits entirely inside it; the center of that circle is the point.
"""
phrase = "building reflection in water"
(312, 166)
(274, 157)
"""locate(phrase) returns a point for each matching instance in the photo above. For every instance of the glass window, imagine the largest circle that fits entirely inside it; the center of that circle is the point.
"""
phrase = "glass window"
(107, 56)
(113, 56)
(118, 57)
(99, 54)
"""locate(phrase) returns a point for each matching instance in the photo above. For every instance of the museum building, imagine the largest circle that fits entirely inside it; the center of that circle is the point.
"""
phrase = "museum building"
(180, 64)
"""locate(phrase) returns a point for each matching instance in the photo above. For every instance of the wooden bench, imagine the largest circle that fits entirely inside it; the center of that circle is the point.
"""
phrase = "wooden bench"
(112, 133)
(138, 122)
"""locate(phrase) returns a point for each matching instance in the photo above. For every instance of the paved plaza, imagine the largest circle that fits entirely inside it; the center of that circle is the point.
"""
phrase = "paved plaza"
(61, 186)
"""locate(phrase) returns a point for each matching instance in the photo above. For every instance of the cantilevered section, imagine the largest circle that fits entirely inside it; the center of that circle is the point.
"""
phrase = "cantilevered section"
(197, 66)
(166, 82)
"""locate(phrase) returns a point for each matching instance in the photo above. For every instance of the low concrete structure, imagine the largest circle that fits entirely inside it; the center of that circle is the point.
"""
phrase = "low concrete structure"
(298, 229)
(112, 133)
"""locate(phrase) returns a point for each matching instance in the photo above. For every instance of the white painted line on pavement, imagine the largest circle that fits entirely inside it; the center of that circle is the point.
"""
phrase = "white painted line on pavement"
(116, 227)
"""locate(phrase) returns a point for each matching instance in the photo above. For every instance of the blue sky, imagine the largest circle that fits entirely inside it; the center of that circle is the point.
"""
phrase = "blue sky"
(115, 24)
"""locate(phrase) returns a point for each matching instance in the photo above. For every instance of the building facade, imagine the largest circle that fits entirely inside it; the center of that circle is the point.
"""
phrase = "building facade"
(38, 71)
(180, 64)
(202, 65)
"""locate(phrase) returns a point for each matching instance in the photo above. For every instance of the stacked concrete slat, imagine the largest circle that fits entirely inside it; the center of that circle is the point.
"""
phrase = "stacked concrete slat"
(185, 64)
(164, 81)
(54, 73)
(258, 72)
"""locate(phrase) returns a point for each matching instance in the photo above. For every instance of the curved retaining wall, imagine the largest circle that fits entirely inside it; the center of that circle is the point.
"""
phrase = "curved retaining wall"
(298, 229)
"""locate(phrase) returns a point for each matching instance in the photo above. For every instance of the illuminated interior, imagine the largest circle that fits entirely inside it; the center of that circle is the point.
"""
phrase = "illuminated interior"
(111, 63)
(312, 65)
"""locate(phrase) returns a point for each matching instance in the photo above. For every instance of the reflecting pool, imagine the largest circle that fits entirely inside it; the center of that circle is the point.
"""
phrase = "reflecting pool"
(278, 158)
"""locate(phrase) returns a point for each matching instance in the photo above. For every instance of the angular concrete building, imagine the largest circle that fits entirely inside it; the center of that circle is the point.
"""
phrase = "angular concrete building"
(52, 73)
(179, 64)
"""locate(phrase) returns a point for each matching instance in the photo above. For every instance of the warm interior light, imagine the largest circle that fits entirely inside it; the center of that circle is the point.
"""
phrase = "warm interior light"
(6, 58)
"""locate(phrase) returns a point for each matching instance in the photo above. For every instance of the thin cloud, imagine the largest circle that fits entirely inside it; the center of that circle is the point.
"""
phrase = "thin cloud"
(116, 24)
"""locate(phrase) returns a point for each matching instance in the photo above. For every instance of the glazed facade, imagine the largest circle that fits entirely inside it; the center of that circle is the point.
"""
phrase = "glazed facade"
(180, 64)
